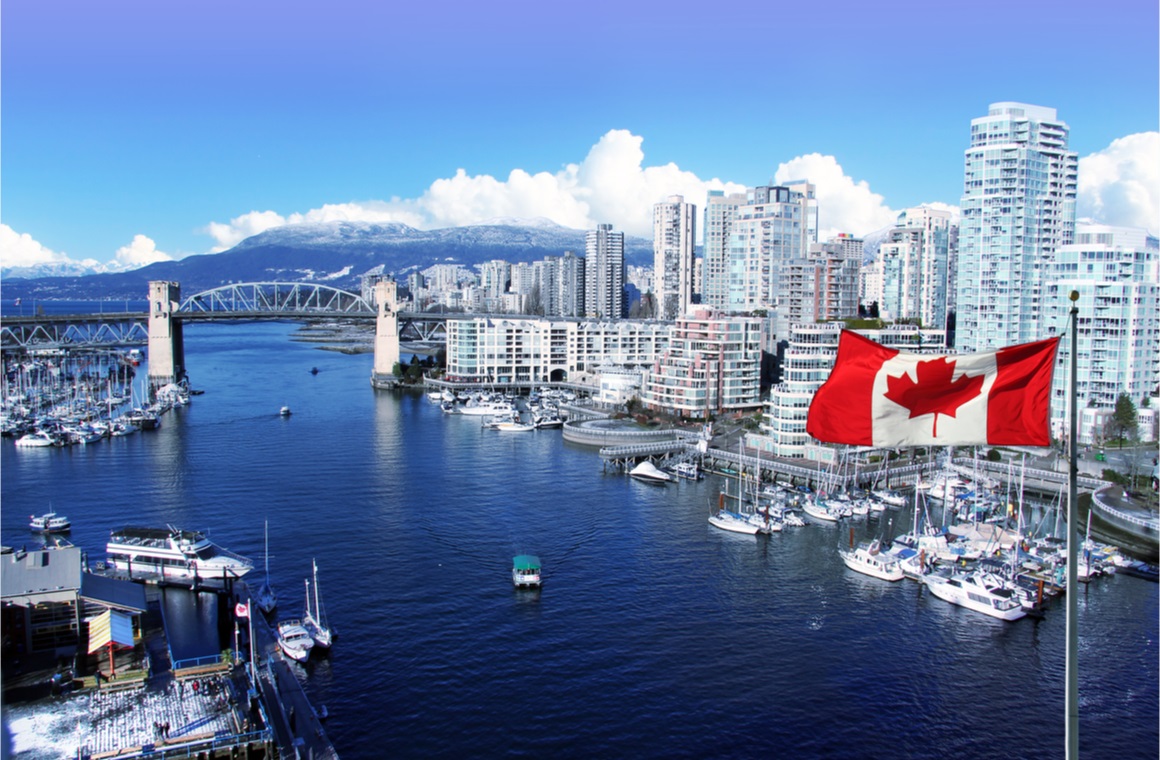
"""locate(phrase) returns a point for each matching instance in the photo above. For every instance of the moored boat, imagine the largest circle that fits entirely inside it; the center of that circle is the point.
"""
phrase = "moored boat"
(314, 619)
(171, 554)
(648, 472)
(687, 470)
(294, 640)
(869, 559)
(968, 590)
(732, 522)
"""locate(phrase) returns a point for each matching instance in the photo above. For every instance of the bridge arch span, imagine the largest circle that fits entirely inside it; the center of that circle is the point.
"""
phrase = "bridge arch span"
(291, 298)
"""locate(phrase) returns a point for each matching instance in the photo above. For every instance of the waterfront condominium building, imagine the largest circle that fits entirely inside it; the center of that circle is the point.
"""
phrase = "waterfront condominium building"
(808, 358)
(1114, 270)
(604, 273)
(1018, 208)
(712, 366)
(674, 233)
(715, 228)
(533, 350)
(770, 230)
(913, 265)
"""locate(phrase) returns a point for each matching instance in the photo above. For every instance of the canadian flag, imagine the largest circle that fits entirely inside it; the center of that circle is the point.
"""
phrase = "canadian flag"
(241, 609)
(878, 396)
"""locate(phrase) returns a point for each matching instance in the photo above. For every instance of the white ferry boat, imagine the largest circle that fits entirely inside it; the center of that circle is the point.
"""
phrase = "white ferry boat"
(173, 555)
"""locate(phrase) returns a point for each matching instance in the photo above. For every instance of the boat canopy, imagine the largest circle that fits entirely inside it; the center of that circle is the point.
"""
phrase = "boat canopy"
(526, 562)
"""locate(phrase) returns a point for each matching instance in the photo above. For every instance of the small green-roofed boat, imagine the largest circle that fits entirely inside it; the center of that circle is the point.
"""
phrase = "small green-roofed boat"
(526, 570)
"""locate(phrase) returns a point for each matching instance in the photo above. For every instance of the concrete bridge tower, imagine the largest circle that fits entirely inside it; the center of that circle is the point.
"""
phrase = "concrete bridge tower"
(166, 344)
(386, 334)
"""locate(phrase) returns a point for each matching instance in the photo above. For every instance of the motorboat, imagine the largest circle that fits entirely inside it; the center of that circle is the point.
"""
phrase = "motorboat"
(820, 510)
(50, 522)
(869, 559)
(687, 470)
(37, 439)
(488, 408)
(648, 472)
(526, 571)
(314, 619)
(513, 425)
(732, 522)
(889, 497)
(548, 421)
(284, 411)
(171, 554)
(969, 590)
(294, 640)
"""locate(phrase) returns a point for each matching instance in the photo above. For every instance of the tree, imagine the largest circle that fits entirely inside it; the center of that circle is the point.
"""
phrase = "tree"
(1124, 419)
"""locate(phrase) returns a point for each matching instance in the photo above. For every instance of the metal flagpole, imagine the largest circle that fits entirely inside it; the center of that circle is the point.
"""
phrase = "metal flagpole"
(253, 662)
(1071, 701)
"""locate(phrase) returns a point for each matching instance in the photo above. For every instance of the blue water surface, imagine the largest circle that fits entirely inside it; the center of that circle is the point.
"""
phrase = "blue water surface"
(655, 635)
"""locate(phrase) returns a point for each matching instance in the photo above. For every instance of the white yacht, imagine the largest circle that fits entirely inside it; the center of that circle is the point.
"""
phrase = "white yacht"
(170, 554)
(732, 522)
(294, 640)
(969, 590)
(889, 497)
(820, 510)
(650, 473)
(869, 559)
(36, 439)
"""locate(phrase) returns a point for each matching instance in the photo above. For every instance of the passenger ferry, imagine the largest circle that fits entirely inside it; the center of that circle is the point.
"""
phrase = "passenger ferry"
(173, 555)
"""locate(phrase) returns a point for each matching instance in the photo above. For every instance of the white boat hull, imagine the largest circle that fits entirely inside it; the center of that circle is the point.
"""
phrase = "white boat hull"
(732, 522)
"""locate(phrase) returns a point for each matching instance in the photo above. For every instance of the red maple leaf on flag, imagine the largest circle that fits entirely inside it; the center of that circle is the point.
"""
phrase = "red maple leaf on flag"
(934, 393)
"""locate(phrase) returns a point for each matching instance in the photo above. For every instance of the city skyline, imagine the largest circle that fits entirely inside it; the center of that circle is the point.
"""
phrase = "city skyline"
(135, 132)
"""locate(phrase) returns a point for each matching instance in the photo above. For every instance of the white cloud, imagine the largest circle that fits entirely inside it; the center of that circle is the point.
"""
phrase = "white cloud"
(611, 185)
(241, 227)
(20, 250)
(843, 204)
(140, 252)
(1120, 185)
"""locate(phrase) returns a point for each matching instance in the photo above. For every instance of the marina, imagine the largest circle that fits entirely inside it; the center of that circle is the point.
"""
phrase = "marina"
(438, 629)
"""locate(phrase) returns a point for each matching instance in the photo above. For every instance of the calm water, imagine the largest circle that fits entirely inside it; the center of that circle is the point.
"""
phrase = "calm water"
(654, 635)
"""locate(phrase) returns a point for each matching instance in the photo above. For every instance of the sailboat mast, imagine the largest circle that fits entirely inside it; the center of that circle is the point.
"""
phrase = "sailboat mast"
(317, 606)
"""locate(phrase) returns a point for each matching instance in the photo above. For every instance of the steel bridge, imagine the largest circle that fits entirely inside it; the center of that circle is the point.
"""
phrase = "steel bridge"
(237, 301)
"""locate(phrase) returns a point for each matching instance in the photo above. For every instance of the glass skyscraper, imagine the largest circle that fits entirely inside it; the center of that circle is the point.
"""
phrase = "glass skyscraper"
(1018, 208)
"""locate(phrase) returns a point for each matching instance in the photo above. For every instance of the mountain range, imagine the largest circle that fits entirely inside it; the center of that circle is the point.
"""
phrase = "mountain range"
(335, 253)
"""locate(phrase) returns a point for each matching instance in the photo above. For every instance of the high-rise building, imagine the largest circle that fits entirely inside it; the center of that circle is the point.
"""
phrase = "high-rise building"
(913, 265)
(1018, 208)
(1114, 271)
(770, 230)
(604, 273)
(718, 223)
(824, 285)
(570, 285)
(674, 235)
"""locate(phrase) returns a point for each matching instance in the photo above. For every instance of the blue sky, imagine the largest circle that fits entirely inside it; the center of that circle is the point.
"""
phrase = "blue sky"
(137, 130)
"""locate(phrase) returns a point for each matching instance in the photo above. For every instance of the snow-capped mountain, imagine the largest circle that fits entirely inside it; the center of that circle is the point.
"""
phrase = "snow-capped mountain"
(339, 253)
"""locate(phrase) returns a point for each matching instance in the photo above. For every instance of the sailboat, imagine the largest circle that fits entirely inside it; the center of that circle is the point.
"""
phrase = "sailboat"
(315, 619)
(266, 599)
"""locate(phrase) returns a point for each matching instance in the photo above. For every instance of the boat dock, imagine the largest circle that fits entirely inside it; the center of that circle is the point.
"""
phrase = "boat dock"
(145, 702)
